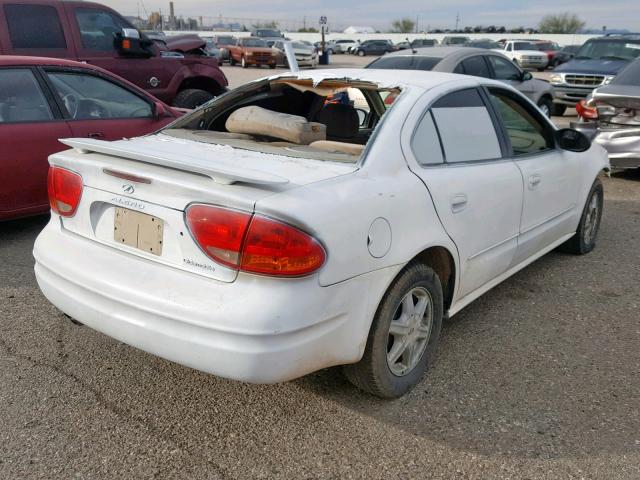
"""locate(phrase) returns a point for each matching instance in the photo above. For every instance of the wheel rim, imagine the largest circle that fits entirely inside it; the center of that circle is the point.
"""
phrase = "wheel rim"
(591, 220)
(545, 109)
(409, 331)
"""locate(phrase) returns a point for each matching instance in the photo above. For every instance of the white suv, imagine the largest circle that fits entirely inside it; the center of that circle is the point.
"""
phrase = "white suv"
(525, 54)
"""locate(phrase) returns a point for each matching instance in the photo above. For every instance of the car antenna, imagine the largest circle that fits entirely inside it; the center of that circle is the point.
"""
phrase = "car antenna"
(413, 50)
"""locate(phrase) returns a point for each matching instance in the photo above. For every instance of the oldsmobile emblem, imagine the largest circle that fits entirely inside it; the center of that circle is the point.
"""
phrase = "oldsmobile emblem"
(154, 81)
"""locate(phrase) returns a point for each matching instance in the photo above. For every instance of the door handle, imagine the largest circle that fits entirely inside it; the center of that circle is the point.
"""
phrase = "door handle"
(534, 180)
(96, 135)
(458, 202)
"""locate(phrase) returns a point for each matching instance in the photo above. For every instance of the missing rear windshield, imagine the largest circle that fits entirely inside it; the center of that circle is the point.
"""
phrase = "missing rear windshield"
(330, 121)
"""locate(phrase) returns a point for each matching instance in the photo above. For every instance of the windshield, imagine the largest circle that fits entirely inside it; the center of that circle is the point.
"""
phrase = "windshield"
(487, 45)
(618, 49)
(300, 45)
(544, 46)
(253, 42)
(267, 33)
(226, 40)
(457, 40)
(412, 62)
(524, 46)
(629, 76)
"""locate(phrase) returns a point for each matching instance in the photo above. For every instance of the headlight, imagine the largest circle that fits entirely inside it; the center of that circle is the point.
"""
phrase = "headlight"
(608, 79)
(556, 78)
(248, 54)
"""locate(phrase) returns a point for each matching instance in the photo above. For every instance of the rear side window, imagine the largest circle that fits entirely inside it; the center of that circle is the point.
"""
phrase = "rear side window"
(425, 143)
(21, 99)
(476, 66)
(465, 127)
(34, 26)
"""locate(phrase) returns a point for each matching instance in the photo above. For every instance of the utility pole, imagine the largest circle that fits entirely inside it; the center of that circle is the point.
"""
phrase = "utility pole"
(304, 23)
(417, 18)
(457, 20)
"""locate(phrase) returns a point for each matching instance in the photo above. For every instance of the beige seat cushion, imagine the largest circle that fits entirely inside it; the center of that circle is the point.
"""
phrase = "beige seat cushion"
(338, 147)
(256, 120)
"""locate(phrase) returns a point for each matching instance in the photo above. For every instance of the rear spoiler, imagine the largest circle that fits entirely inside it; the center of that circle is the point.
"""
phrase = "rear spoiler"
(225, 174)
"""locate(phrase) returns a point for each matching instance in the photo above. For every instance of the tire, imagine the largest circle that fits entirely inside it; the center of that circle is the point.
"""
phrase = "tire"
(558, 109)
(373, 373)
(546, 105)
(587, 233)
(232, 62)
(243, 63)
(272, 66)
(541, 69)
(191, 98)
(361, 53)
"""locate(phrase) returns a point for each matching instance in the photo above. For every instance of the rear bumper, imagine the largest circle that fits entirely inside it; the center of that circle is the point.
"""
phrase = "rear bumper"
(256, 329)
(621, 144)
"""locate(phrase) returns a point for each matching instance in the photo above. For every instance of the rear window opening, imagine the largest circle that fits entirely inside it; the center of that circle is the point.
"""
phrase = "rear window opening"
(332, 120)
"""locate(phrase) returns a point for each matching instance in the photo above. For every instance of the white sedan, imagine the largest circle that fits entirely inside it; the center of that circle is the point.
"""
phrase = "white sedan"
(278, 230)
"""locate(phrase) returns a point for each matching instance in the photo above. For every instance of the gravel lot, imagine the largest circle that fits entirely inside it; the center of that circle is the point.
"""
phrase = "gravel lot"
(540, 378)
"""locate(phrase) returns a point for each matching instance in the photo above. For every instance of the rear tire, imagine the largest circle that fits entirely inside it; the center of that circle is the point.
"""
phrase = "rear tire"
(558, 109)
(383, 370)
(586, 235)
(192, 98)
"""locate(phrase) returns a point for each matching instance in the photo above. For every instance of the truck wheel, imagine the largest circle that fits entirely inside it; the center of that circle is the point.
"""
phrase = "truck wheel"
(558, 109)
(232, 62)
(546, 105)
(191, 98)
(403, 335)
(585, 238)
(243, 63)
(361, 53)
(272, 66)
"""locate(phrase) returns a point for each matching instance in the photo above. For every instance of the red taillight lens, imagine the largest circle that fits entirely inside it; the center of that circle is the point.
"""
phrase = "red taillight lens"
(65, 190)
(585, 111)
(275, 248)
(253, 244)
(218, 231)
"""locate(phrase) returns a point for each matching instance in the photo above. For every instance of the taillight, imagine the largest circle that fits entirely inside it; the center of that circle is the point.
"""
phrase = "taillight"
(65, 190)
(253, 243)
(584, 110)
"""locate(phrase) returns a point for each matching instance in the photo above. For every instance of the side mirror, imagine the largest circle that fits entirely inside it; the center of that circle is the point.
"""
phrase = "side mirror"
(129, 44)
(526, 76)
(572, 140)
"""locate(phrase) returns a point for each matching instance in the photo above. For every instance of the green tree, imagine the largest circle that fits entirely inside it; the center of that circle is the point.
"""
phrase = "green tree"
(404, 25)
(273, 25)
(561, 23)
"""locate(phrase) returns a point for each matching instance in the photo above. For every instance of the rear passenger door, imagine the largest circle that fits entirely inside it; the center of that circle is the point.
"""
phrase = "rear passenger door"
(30, 127)
(456, 149)
(35, 29)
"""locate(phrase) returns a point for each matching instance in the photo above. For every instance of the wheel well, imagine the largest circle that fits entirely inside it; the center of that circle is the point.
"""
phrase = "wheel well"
(547, 96)
(441, 261)
(201, 83)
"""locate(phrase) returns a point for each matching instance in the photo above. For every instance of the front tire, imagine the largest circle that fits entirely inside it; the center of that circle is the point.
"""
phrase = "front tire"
(546, 105)
(191, 98)
(585, 237)
(361, 53)
(403, 335)
(558, 109)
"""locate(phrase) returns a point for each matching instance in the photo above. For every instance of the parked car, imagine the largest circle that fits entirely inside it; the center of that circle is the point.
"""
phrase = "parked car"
(550, 48)
(374, 47)
(525, 54)
(223, 42)
(565, 54)
(345, 45)
(595, 64)
(268, 35)
(213, 50)
(251, 51)
(306, 56)
(611, 115)
(249, 242)
(403, 45)
(471, 61)
(450, 40)
(44, 99)
(424, 42)
(485, 43)
(176, 69)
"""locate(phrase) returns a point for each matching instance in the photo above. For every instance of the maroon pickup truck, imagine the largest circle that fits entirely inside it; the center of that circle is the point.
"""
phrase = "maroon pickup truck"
(175, 70)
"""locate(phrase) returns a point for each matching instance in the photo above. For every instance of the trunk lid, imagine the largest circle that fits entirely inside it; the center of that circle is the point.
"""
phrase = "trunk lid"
(152, 180)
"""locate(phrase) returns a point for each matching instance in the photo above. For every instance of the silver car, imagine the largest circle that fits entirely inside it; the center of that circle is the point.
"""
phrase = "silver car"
(471, 61)
(617, 126)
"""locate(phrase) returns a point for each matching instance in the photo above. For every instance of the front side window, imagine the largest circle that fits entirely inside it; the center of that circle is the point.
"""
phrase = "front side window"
(476, 66)
(34, 26)
(526, 134)
(88, 97)
(504, 69)
(21, 99)
(97, 28)
(465, 127)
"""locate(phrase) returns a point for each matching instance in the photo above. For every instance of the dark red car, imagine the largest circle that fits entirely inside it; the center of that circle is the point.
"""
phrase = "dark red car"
(44, 99)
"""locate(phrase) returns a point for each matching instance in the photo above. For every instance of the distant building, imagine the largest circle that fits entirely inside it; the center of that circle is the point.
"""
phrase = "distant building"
(354, 30)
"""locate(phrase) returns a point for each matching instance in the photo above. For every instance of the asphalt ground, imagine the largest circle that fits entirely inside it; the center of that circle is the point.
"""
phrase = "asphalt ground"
(537, 379)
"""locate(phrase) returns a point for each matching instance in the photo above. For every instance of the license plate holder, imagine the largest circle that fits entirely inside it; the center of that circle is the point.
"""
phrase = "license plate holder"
(138, 230)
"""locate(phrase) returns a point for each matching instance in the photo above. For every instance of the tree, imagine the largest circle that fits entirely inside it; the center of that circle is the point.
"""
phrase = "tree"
(561, 23)
(308, 30)
(266, 25)
(404, 25)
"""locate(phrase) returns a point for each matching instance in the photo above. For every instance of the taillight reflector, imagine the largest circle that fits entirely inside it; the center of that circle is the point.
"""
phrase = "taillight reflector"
(253, 243)
(65, 189)
(584, 110)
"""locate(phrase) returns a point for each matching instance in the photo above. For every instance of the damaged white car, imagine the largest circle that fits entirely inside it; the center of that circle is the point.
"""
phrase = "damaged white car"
(279, 229)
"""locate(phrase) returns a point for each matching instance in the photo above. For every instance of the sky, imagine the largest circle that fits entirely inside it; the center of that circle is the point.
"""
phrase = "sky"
(380, 13)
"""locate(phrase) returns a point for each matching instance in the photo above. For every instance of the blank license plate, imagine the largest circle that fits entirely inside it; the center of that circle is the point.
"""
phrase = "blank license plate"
(138, 230)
